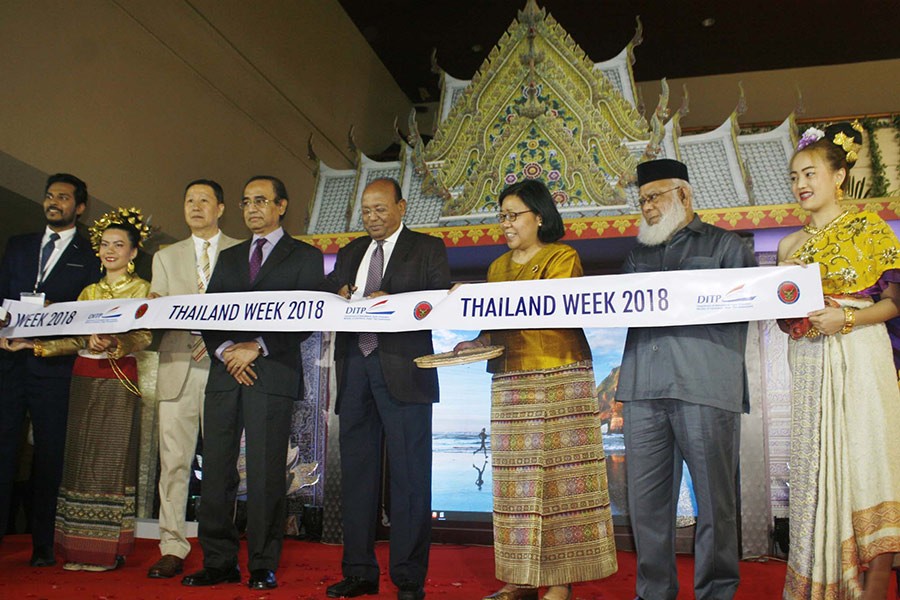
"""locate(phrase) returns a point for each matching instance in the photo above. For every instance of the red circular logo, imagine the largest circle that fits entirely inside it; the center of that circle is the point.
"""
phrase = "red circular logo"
(788, 292)
(141, 310)
(421, 310)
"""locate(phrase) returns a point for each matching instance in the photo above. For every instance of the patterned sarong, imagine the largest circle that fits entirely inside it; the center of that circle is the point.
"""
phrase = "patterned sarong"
(552, 520)
(96, 507)
(845, 461)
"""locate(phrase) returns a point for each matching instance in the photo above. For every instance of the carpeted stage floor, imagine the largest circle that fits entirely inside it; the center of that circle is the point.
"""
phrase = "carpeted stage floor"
(456, 573)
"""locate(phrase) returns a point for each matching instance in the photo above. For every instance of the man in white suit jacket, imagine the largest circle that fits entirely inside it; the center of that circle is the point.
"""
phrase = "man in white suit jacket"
(183, 268)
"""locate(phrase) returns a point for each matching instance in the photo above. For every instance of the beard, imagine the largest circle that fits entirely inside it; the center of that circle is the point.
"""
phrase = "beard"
(672, 220)
(59, 219)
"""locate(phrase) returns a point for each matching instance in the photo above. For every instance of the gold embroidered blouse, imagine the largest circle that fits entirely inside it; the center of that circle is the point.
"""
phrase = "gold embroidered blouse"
(854, 252)
(537, 349)
(132, 341)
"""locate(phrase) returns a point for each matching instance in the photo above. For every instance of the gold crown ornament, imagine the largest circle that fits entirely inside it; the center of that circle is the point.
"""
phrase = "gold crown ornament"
(848, 143)
(119, 216)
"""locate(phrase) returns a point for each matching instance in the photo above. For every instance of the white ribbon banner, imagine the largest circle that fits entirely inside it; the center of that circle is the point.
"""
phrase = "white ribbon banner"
(636, 300)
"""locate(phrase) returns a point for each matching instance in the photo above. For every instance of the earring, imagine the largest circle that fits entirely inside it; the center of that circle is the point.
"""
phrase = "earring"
(130, 267)
(838, 193)
(540, 223)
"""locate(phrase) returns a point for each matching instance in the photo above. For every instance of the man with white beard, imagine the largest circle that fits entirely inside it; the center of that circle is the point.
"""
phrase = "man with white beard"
(683, 390)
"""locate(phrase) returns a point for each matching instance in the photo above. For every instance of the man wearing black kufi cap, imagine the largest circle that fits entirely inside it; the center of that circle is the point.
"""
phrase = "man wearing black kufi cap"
(683, 390)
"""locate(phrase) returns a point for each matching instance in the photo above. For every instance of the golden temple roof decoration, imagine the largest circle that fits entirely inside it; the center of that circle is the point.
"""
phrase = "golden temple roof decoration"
(537, 108)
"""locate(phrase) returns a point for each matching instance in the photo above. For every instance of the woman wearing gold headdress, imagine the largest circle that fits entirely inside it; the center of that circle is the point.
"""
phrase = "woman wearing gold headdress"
(96, 506)
(845, 470)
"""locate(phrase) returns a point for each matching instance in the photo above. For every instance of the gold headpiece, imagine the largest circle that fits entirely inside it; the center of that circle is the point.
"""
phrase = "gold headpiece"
(848, 143)
(120, 216)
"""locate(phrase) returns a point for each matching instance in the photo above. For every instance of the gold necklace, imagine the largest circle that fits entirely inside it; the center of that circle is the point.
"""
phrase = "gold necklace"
(813, 230)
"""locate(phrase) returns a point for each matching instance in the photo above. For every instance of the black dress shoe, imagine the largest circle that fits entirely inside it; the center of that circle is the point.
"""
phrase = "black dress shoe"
(410, 591)
(262, 579)
(212, 576)
(351, 587)
(42, 557)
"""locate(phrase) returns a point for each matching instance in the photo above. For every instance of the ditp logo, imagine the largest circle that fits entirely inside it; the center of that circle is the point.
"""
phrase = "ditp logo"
(379, 310)
(421, 310)
(788, 292)
(109, 316)
(141, 310)
(734, 296)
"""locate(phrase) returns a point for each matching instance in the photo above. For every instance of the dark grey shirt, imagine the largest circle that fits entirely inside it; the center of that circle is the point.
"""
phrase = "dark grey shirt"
(701, 364)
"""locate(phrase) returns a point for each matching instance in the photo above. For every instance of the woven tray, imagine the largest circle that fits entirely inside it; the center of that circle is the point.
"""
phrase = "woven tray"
(463, 357)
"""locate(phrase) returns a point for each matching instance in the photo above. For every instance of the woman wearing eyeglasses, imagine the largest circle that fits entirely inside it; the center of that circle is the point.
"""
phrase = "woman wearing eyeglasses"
(552, 520)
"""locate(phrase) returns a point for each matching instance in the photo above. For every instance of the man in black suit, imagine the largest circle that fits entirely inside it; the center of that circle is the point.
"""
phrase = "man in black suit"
(52, 266)
(254, 379)
(382, 394)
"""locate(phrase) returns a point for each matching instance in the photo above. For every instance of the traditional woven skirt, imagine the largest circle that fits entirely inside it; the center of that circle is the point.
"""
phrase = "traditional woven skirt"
(845, 461)
(96, 508)
(552, 520)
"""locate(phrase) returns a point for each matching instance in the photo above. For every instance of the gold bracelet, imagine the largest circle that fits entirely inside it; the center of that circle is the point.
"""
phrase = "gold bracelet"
(849, 320)
(38, 348)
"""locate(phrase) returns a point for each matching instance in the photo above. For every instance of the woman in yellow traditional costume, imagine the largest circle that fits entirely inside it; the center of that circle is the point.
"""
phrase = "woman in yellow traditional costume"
(96, 507)
(845, 460)
(552, 520)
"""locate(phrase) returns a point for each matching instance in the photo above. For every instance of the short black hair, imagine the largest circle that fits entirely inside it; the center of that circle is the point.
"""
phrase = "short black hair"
(536, 196)
(216, 188)
(277, 185)
(81, 193)
(398, 191)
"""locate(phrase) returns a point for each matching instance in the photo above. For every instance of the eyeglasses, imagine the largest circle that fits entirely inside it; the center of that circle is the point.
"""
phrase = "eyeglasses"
(254, 202)
(655, 196)
(511, 216)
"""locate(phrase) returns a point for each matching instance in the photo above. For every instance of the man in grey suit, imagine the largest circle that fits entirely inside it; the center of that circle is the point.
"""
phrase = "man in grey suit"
(183, 268)
(683, 390)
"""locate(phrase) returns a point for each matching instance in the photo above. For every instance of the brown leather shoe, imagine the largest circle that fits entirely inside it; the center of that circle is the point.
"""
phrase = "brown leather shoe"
(166, 567)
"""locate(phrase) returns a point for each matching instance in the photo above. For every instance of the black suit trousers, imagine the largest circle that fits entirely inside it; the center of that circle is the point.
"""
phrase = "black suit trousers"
(46, 400)
(369, 414)
(267, 421)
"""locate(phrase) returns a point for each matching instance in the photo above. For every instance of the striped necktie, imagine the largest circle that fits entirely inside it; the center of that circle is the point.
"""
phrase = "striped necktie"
(46, 252)
(368, 341)
(198, 350)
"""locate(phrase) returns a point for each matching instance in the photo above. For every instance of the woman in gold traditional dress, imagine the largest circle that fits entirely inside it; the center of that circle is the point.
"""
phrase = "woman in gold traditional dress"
(845, 461)
(552, 520)
(96, 505)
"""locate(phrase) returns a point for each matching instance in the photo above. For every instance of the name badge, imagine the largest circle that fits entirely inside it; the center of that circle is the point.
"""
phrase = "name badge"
(32, 297)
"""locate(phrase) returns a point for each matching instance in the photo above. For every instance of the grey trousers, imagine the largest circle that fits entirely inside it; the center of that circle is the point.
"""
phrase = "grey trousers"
(657, 434)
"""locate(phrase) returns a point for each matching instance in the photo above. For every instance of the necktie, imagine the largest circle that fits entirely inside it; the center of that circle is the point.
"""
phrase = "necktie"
(46, 251)
(369, 341)
(256, 259)
(198, 351)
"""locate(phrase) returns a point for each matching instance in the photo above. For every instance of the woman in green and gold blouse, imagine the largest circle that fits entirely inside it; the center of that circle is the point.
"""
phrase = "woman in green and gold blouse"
(96, 504)
(552, 520)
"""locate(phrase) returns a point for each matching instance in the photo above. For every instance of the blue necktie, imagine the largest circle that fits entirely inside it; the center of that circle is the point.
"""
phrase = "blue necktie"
(46, 251)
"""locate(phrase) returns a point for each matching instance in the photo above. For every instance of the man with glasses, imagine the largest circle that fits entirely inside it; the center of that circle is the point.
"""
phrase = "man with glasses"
(51, 266)
(254, 379)
(383, 394)
(183, 268)
(683, 390)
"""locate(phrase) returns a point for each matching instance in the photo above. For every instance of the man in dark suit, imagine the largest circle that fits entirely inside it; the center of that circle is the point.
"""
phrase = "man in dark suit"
(52, 266)
(254, 379)
(382, 394)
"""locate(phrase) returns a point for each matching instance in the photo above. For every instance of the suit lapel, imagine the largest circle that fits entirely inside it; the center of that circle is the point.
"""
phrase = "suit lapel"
(398, 256)
(67, 254)
(356, 257)
(187, 263)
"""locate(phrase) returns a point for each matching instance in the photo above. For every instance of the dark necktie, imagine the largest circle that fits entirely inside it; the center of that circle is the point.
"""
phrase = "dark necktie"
(256, 259)
(369, 341)
(46, 251)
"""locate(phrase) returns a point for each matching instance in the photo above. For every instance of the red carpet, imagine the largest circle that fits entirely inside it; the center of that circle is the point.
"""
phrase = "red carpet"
(456, 573)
